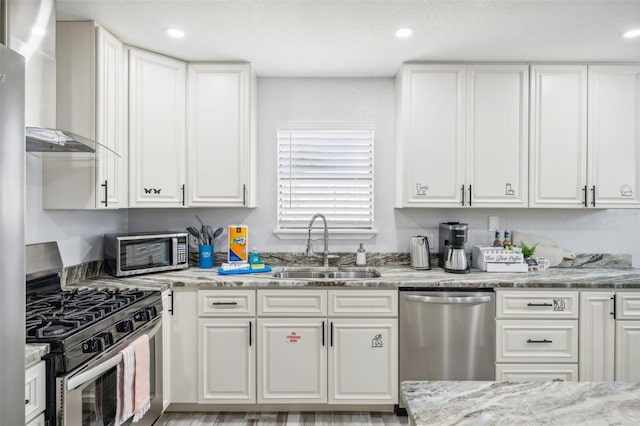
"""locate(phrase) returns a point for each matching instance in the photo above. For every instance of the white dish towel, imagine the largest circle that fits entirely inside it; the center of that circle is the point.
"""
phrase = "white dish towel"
(124, 398)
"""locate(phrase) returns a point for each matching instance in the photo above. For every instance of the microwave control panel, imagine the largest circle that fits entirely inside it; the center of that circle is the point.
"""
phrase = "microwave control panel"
(182, 250)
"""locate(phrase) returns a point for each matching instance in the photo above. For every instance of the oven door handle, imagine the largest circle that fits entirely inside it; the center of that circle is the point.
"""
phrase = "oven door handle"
(88, 376)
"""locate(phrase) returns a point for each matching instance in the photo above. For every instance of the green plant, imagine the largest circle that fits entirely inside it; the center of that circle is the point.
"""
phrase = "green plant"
(526, 250)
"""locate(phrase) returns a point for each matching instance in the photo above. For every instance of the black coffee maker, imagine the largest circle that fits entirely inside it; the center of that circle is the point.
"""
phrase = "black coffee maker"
(453, 240)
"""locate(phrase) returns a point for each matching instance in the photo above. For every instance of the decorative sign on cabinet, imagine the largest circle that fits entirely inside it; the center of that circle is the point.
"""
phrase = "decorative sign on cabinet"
(462, 135)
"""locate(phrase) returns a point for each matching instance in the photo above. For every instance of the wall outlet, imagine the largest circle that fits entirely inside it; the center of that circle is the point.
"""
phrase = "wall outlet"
(494, 223)
(431, 238)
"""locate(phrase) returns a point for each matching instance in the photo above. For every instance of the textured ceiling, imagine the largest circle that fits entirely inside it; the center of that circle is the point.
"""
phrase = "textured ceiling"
(356, 38)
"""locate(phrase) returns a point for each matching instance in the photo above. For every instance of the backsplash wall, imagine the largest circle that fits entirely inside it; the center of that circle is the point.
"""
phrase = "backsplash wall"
(79, 233)
(282, 100)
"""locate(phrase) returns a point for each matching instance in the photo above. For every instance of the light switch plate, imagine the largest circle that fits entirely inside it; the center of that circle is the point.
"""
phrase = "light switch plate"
(494, 223)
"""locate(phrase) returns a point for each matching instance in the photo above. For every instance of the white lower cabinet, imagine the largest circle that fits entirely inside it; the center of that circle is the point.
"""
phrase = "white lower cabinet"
(536, 335)
(227, 360)
(537, 372)
(38, 421)
(310, 351)
(609, 336)
(627, 351)
(363, 360)
(184, 344)
(292, 360)
(34, 392)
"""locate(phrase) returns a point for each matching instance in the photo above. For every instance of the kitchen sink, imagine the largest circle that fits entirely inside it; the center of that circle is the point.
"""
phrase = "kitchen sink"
(336, 274)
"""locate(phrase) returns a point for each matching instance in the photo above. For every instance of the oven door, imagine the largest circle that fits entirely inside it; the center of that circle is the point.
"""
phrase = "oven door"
(88, 396)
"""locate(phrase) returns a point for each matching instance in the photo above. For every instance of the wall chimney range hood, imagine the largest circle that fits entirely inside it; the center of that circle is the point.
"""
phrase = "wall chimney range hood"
(40, 139)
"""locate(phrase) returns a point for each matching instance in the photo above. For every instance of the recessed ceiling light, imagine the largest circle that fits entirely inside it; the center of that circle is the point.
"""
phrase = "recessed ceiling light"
(174, 32)
(404, 32)
(632, 33)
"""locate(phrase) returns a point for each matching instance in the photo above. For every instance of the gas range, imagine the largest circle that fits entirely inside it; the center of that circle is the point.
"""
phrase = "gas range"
(79, 324)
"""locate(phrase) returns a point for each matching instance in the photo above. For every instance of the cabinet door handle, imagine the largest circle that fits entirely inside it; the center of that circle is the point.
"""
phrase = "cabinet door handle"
(105, 185)
(539, 341)
(331, 335)
(183, 195)
(462, 190)
(469, 195)
(593, 195)
(539, 304)
(171, 306)
(244, 194)
(224, 303)
(584, 190)
(250, 328)
(613, 313)
(26, 402)
(322, 333)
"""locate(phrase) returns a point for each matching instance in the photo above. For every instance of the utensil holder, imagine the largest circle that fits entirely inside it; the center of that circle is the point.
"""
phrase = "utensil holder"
(206, 256)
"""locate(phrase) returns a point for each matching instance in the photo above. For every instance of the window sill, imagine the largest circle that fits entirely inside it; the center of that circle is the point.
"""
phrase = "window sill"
(334, 234)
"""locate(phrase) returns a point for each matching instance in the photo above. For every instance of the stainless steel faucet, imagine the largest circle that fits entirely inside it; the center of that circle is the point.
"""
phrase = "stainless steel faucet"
(309, 250)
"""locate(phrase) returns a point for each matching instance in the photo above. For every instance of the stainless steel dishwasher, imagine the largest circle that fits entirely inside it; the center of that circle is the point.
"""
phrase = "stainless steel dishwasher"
(447, 335)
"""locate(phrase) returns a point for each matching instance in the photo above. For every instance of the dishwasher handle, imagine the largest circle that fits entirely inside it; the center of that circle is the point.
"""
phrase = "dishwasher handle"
(458, 300)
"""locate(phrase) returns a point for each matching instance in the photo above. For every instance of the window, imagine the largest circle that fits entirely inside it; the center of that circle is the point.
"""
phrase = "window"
(328, 171)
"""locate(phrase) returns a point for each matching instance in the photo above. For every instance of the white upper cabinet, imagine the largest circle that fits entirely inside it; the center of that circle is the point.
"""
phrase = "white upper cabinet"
(462, 135)
(558, 147)
(585, 149)
(497, 135)
(91, 87)
(157, 134)
(430, 135)
(614, 136)
(221, 135)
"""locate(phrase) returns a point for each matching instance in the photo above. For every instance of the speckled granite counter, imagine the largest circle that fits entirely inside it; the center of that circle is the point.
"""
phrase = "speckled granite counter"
(33, 353)
(392, 277)
(529, 403)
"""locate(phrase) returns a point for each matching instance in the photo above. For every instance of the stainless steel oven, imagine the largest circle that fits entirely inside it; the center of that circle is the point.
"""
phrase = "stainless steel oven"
(87, 396)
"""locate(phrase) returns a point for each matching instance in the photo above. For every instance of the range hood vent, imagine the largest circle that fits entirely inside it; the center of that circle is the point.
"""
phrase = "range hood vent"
(40, 139)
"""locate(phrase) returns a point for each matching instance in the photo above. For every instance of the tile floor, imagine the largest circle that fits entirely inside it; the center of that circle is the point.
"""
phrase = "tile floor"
(281, 418)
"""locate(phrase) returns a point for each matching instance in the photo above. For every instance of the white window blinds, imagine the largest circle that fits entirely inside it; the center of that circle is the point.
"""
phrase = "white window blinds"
(328, 172)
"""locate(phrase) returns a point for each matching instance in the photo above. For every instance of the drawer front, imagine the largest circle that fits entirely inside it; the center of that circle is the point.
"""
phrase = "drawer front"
(537, 304)
(223, 303)
(34, 390)
(537, 341)
(299, 303)
(628, 305)
(537, 372)
(354, 303)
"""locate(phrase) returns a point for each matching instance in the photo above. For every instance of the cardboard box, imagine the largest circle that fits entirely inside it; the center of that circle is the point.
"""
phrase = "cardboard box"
(238, 243)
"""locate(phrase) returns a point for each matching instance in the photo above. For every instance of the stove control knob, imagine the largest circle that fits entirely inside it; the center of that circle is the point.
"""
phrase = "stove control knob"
(106, 338)
(125, 326)
(92, 345)
(152, 312)
(141, 316)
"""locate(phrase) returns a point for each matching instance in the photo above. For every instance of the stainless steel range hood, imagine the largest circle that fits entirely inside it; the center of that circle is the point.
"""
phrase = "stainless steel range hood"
(40, 139)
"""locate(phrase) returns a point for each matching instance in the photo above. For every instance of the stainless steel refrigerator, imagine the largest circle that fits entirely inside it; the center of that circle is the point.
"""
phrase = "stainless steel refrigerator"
(12, 269)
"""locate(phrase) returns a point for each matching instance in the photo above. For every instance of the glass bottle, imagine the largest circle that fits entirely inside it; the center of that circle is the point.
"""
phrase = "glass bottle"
(496, 241)
(506, 243)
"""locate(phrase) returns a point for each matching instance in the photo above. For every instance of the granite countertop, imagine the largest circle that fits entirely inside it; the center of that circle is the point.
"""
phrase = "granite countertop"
(33, 352)
(392, 277)
(527, 403)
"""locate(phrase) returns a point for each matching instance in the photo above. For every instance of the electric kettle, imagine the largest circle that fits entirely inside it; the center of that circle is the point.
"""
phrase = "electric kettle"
(420, 254)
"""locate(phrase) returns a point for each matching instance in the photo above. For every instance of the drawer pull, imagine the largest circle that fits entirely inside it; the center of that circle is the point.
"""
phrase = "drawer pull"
(224, 303)
(27, 402)
(539, 341)
(539, 304)
(558, 380)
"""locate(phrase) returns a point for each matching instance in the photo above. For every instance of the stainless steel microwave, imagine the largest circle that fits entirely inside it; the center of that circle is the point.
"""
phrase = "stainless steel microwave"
(142, 253)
